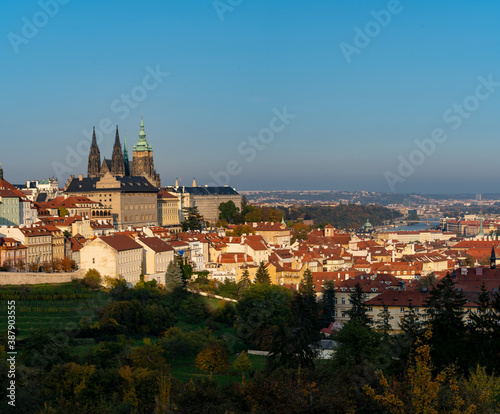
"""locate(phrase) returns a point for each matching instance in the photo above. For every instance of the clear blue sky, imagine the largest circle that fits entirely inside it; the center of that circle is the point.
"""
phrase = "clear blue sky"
(228, 71)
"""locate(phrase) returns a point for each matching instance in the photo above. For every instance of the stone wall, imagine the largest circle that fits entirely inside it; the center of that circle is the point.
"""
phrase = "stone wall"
(13, 278)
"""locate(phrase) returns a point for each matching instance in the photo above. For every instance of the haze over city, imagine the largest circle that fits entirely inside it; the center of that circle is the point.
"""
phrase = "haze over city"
(361, 83)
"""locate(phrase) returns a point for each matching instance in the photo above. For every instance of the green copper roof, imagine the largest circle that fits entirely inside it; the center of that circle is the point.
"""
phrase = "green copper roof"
(142, 145)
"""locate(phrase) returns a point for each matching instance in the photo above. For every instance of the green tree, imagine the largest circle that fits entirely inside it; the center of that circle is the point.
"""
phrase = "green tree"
(358, 344)
(358, 309)
(158, 318)
(293, 345)
(328, 304)
(242, 229)
(245, 206)
(173, 277)
(445, 312)
(410, 324)
(262, 275)
(92, 279)
(228, 210)
(384, 321)
(300, 232)
(254, 215)
(193, 221)
(63, 212)
(261, 308)
(194, 309)
(484, 335)
(242, 363)
(213, 358)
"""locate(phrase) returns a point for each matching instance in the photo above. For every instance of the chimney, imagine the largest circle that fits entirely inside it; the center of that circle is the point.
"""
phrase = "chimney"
(80, 177)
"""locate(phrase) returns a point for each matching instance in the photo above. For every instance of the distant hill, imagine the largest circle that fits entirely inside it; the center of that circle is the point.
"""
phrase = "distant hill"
(345, 216)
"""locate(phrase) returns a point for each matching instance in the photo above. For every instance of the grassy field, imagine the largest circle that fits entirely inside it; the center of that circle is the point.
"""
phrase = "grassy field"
(185, 370)
(59, 306)
(63, 305)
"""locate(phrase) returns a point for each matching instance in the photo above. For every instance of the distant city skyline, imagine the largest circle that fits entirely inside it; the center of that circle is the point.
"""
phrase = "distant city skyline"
(376, 96)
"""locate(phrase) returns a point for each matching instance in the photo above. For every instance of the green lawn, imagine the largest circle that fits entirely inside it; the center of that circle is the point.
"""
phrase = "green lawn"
(49, 305)
(184, 369)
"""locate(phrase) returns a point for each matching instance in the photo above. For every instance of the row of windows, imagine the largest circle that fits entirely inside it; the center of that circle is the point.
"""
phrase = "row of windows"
(137, 206)
(44, 239)
(40, 249)
(401, 309)
(128, 258)
(11, 211)
(143, 217)
(138, 195)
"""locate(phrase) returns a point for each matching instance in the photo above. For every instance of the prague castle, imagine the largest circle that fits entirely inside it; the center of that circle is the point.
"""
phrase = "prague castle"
(142, 164)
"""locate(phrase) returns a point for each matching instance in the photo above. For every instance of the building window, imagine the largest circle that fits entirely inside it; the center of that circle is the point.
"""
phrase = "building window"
(370, 309)
(343, 301)
(93, 260)
(401, 309)
(343, 314)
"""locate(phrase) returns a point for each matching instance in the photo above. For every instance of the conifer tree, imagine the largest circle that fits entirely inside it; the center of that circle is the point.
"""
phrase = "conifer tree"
(358, 309)
(384, 321)
(410, 323)
(173, 277)
(445, 314)
(293, 346)
(328, 304)
(262, 275)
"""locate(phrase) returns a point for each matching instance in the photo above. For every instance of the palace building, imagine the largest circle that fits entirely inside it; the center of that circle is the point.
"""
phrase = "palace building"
(142, 164)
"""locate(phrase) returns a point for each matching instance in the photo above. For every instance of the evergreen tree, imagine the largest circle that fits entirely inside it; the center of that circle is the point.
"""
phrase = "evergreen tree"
(358, 309)
(193, 221)
(483, 329)
(262, 275)
(228, 211)
(293, 344)
(384, 321)
(328, 302)
(410, 324)
(173, 277)
(244, 282)
(445, 314)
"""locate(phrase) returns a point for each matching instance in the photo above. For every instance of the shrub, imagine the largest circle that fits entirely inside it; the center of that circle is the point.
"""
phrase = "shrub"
(92, 279)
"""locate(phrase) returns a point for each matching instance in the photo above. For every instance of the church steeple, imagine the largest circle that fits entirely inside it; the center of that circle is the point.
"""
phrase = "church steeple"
(142, 163)
(117, 161)
(1, 172)
(142, 144)
(94, 166)
(493, 258)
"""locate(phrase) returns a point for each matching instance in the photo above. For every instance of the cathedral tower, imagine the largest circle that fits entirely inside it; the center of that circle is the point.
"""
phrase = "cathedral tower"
(94, 168)
(117, 161)
(142, 163)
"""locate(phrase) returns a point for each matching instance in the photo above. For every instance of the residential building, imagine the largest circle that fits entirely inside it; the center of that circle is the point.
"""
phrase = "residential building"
(157, 256)
(113, 256)
(132, 200)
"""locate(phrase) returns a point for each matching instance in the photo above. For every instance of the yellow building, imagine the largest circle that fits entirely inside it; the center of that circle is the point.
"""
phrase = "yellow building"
(132, 200)
(168, 209)
(116, 255)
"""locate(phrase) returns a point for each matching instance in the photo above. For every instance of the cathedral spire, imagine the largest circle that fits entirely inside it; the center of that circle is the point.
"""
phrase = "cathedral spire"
(125, 156)
(94, 165)
(94, 140)
(117, 139)
(117, 161)
(1, 172)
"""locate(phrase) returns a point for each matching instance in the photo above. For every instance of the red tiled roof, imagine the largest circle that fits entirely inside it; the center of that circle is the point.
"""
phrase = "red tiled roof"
(156, 244)
(121, 242)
